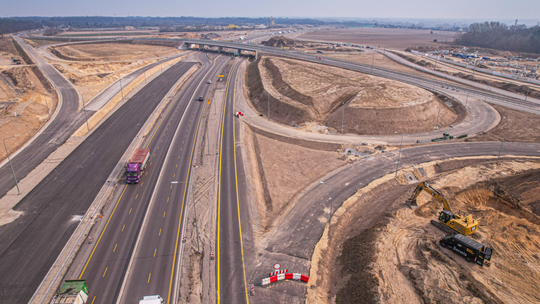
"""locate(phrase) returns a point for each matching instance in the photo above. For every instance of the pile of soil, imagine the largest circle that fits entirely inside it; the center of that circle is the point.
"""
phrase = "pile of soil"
(210, 36)
(299, 93)
(281, 41)
(20, 78)
(412, 267)
(511, 87)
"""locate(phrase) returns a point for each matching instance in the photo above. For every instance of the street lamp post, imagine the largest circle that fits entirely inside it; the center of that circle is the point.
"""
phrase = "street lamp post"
(399, 154)
(342, 115)
(528, 87)
(195, 212)
(9, 159)
(331, 207)
(47, 105)
(504, 136)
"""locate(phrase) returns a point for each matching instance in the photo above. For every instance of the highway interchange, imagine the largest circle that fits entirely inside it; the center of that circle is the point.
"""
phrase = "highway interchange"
(138, 251)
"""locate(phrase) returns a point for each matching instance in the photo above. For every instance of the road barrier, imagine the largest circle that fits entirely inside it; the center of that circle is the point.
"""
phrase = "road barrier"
(285, 276)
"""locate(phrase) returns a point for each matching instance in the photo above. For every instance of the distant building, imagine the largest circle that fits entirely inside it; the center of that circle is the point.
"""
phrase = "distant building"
(232, 26)
(261, 26)
(129, 28)
(272, 21)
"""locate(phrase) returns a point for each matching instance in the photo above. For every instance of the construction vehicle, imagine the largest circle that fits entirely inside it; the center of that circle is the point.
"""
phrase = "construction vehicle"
(470, 249)
(448, 221)
(72, 292)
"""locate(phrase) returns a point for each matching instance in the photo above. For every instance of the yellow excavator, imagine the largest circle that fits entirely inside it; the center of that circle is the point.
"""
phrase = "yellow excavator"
(448, 221)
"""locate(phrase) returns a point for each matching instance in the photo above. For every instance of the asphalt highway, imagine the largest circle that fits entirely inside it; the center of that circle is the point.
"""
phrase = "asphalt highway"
(30, 244)
(66, 121)
(154, 263)
(232, 206)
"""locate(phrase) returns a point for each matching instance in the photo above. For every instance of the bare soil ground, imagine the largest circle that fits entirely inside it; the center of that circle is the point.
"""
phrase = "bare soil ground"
(21, 92)
(395, 257)
(281, 169)
(522, 127)
(393, 38)
(113, 51)
(39, 42)
(90, 78)
(306, 92)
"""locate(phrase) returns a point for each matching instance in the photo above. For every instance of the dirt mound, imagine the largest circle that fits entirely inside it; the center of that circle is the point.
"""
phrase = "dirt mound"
(280, 41)
(300, 92)
(416, 269)
(210, 36)
(20, 78)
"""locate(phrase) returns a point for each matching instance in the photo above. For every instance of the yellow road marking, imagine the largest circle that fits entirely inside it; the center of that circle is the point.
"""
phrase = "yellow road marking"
(174, 175)
(171, 186)
(179, 155)
(123, 227)
(155, 250)
(157, 148)
(238, 202)
(149, 275)
(150, 164)
(101, 235)
(105, 271)
(136, 196)
(159, 232)
(167, 199)
(142, 183)
(182, 208)
(176, 165)
(130, 210)
(146, 173)
(115, 248)
(219, 190)
(164, 213)
(177, 98)
(93, 300)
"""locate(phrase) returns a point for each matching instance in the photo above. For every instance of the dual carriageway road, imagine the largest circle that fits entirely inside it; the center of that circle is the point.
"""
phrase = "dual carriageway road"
(30, 244)
(138, 251)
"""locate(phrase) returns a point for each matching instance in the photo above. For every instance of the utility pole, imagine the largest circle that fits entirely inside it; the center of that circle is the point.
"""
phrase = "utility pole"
(331, 207)
(47, 105)
(438, 114)
(528, 87)
(372, 62)
(268, 101)
(504, 136)
(9, 159)
(85, 117)
(467, 100)
(399, 154)
(195, 212)
(121, 89)
(342, 115)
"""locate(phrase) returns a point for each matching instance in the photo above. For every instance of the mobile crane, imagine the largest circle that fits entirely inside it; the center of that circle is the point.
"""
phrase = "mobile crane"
(448, 221)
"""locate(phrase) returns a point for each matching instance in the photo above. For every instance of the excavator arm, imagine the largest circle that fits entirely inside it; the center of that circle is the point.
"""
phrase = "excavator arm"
(426, 187)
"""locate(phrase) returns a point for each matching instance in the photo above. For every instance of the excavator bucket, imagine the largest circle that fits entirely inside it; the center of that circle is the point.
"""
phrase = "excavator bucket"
(412, 204)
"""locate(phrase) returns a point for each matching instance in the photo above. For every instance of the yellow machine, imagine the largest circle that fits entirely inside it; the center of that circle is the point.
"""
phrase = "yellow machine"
(448, 221)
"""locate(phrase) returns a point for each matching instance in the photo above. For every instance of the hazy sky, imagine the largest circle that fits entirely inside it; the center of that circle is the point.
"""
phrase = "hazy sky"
(433, 9)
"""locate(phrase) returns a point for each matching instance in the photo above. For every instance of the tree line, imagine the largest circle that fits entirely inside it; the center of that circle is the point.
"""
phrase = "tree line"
(8, 25)
(496, 35)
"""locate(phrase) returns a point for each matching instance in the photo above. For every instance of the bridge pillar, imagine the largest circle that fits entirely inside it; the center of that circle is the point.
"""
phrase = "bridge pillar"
(219, 49)
(239, 52)
(256, 55)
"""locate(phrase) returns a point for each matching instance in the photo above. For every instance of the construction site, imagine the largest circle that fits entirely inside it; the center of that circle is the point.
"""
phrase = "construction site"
(380, 175)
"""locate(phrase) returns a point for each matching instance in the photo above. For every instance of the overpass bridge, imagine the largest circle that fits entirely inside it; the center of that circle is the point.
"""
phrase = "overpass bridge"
(221, 45)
